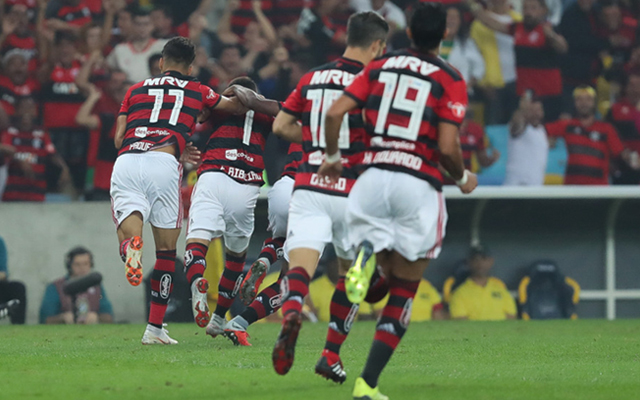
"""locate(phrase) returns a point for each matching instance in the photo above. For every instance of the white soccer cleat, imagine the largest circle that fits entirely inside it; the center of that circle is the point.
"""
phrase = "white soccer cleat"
(199, 303)
(153, 335)
(216, 326)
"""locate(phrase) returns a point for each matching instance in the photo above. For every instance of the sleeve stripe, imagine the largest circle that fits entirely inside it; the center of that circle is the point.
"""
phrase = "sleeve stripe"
(291, 112)
(355, 98)
(450, 121)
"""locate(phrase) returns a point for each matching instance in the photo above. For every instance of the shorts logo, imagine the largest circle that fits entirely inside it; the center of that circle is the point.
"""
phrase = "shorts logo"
(118, 214)
(141, 132)
(405, 317)
(231, 155)
(165, 286)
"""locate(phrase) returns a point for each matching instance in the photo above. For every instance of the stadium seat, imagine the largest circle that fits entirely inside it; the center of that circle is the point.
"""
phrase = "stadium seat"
(545, 293)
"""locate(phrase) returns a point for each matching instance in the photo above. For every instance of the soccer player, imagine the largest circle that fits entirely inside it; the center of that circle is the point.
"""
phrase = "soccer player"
(156, 119)
(413, 104)
(268, 301)
(224, 199)
(317, 210)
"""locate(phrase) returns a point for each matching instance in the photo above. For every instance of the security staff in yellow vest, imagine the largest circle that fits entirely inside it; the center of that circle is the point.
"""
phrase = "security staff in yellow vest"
(482, 297)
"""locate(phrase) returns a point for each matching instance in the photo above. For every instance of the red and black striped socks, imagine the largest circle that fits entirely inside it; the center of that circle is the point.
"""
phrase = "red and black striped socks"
(272, 250)
(230, 282)
(343, 313)
(294, 288)
(266, 303)
(161, 285)
(195, 261)
(391, 326)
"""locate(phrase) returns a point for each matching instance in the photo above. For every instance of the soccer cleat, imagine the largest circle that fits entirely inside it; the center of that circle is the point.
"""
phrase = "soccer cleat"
(153, 335)
(330, 366)
(362, 391)
(199, 304)
(236, 333)
(133, 265)
(356, 282)
(284, 350)
(216, 326)
(253, 280)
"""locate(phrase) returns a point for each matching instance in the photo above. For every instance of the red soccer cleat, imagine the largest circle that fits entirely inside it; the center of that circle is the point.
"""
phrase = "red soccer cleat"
(239, 338)
(284, 350)
(133, 265)
(253, 280)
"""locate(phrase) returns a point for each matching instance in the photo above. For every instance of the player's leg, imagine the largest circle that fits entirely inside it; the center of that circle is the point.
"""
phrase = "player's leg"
(206, 222)
(310, 228)
(279, 197)
(130, 208)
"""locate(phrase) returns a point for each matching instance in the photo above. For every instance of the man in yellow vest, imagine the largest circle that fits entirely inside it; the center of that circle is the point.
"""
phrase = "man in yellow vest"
(482, 297)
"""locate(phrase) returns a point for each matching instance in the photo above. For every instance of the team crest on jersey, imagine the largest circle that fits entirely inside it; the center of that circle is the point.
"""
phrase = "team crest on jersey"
(211, 94)
(458, 109)
(595, 136)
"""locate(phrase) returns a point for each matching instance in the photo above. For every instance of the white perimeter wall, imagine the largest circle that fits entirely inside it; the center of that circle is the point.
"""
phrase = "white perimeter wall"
(39, 235)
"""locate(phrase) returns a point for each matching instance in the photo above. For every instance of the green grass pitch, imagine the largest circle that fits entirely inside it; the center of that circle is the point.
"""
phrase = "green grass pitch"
(441, 360)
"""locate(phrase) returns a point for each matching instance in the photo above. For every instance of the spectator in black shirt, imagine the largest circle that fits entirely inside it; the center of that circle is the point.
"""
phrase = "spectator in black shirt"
(321, 33)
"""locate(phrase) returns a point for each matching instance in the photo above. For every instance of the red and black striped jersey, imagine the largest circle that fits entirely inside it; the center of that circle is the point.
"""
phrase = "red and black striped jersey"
(244, 15)
(25, 45)
(590, 150)
(32, 147)
(9, 92)
(405, 95)
(236, 146)
(309, 102)
(471, 141)
(62, 98)
(537, 63)
(78, 15)
(285, 12)
(293, 160)
(623, 116)
(163, 110)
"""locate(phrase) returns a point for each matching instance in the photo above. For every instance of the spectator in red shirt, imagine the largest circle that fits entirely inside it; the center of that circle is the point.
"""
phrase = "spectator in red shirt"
(32, 148)
(537, 48)
(15, 80)
(619, 31)
(67, 15)
(623, 116)
(16, 34)
(591, 144)
(99, 112)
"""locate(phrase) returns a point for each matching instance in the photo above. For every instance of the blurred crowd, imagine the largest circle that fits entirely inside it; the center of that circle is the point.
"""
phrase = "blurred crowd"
(547, 69)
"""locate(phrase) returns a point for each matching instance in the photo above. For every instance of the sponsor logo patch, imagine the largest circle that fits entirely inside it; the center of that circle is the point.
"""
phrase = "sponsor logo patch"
(165, 286)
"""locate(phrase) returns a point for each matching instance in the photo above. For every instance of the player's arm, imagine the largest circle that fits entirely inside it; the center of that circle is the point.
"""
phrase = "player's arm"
(286, 127)
(487, 19)
(255, 101)
(231, 105)
(332, 166)
(451, 157)
(121, 128)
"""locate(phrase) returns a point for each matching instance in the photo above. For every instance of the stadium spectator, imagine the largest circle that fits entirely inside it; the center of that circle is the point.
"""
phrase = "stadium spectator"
(99, 113)
(460, 50)
(11, 290)
(537, 48)
(16, 34)
(528, 146)
(320, 32)
(482, 297)
(124, 31)
(426, 306)
(392, 13)
(61, 101)
(554, 6)
(285, 14)
(31, 150)
(591, 144)
(132, 56)
(91, 307)
(580, 63)
(15, 81)
(228, 67)
(497, 49)
(624, 116)
(67, 15)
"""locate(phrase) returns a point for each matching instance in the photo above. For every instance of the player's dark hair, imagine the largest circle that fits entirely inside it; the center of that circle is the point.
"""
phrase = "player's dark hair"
(428, 24)
(244, 81)
(365, 28)
(73, 253)
(153, 60)
(179, 50)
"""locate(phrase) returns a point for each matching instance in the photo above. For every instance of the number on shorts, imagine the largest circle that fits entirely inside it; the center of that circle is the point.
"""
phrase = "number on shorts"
(402, 103)
(248, 128)
(321, 102)
(159, 100)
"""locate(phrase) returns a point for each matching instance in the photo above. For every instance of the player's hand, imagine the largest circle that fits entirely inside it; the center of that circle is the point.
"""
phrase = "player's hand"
(67, 318)
(239, 107)
(472, 183)
(330, 172)
(191, 154)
